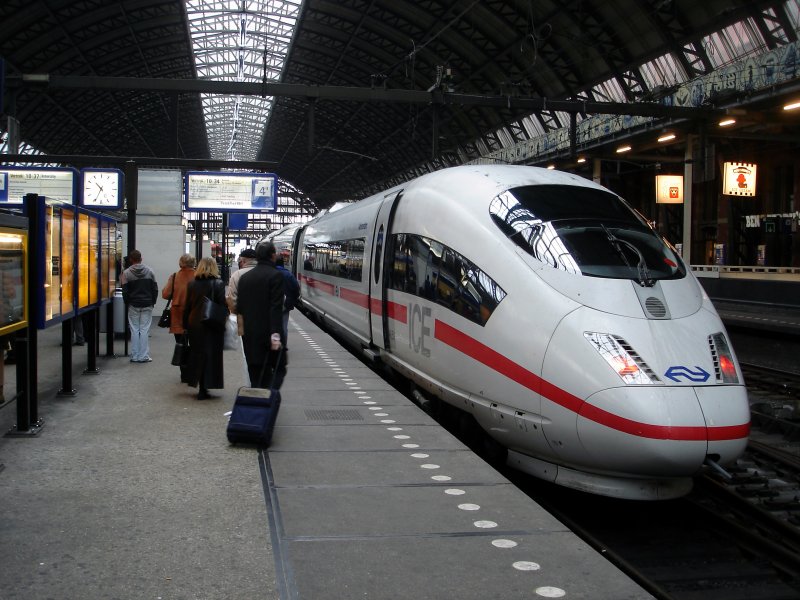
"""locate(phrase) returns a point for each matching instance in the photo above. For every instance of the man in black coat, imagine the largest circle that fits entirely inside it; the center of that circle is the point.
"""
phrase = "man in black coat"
(260, 303)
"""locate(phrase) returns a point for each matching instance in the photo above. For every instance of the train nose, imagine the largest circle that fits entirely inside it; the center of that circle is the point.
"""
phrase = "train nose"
(663, 431)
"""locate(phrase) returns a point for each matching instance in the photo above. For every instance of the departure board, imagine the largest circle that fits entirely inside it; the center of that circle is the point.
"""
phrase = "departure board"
(55, 184)
(231, 192)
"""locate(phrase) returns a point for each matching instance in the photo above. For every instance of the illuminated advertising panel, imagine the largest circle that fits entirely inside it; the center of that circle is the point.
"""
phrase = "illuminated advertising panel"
(739, 179)
(105, 250)
(111, 258)
(13, 279)
(83, 260)
(52, 262)
(93, 256)
(231, 192)
(67, 261)
(669, 189)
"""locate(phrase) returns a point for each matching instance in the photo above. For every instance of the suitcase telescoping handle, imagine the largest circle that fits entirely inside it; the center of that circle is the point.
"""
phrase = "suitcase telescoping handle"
(274, 371)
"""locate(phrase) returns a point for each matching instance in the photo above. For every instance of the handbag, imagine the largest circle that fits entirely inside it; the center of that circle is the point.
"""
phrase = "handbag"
(180, 355)
(231, 339)
(166, 316)
(213, 314)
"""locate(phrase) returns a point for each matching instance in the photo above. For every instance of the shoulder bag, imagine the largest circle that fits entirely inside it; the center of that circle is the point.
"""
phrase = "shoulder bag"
(213, 314)
(166, 316)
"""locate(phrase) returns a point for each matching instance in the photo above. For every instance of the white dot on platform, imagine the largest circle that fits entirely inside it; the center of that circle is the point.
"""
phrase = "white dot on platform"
(504, 543)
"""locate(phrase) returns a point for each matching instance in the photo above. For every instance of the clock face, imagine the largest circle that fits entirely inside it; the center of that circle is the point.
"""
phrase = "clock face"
(101, 188)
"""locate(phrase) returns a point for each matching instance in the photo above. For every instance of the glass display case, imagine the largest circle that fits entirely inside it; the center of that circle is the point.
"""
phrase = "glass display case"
(13, 278)
(108, 259)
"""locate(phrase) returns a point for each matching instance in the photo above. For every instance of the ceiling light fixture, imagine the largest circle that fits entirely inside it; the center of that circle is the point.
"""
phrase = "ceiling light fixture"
(792, 106)
(666, 137)
(622, 149)
(551, 167)
(581, 160)
(726, 122)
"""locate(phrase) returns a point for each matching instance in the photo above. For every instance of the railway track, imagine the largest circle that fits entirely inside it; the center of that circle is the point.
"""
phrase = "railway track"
(734, 536)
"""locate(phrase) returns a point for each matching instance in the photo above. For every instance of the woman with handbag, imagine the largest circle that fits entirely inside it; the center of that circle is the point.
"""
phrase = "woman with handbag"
(175, 291)
(204, 316)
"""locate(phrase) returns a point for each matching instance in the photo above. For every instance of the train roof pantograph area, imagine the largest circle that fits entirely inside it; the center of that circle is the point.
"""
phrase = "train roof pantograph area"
(344, 98)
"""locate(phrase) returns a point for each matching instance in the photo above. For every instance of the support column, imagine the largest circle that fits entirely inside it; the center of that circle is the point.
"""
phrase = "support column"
(688, 174)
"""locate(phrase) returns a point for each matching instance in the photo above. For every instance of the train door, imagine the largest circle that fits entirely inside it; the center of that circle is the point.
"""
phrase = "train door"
(378, 304)
(297, 252)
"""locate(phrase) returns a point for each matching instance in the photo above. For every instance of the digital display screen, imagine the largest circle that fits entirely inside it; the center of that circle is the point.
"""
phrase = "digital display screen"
(54, 184)
(222, 192)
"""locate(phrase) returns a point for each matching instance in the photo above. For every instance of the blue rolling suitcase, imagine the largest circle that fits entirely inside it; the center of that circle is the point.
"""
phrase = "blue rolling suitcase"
(253, 416)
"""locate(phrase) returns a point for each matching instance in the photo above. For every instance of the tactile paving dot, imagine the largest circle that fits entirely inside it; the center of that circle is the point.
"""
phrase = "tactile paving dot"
(485, 524)
(504, 543)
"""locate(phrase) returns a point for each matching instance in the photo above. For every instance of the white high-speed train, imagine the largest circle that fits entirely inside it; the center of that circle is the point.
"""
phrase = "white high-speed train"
(542, 304)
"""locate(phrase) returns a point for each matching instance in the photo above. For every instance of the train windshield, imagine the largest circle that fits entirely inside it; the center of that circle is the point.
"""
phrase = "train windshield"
(585, 231)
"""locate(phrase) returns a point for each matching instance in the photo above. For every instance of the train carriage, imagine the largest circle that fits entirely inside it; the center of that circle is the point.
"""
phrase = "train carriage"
(543, 305)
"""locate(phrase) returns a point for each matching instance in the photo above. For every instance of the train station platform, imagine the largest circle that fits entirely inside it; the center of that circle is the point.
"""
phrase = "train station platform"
(131, 490)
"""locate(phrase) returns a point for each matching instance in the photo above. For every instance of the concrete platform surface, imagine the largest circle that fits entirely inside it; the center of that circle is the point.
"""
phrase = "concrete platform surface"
(131, 490)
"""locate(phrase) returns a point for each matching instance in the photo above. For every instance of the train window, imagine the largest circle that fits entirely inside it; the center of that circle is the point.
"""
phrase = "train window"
(584, 231)
(431, 270)
(341, 258)
(378, 253)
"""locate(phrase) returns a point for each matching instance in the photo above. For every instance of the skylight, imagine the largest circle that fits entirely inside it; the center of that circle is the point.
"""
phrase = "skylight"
(242, 41)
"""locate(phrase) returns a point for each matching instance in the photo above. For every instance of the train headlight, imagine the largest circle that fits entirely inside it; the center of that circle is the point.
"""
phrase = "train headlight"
(621, 357)
(724, 367)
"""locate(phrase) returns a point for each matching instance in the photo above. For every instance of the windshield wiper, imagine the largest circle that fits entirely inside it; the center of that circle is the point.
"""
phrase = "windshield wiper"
(641, 268)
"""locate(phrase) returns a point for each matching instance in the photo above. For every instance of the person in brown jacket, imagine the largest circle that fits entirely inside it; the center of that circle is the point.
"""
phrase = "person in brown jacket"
(176, 289)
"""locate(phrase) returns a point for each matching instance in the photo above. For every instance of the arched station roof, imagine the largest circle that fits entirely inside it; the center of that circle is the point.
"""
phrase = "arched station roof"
(326, 139)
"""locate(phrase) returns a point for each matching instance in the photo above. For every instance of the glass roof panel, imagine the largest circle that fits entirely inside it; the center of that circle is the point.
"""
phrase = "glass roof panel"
(733, 43)
(239, 40)
(793, 10)
(662, 71)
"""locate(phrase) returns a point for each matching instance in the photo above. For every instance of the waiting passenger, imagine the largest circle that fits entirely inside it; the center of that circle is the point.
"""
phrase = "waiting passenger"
(139, 291)
(247, 260)
(205, 341)
(176, 288)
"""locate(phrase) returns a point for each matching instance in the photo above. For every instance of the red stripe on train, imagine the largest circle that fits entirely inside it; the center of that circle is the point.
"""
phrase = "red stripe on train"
(354, 297)
(494, 360)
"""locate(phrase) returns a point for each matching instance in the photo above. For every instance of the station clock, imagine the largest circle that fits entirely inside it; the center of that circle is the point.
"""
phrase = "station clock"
(102, 188)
